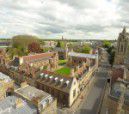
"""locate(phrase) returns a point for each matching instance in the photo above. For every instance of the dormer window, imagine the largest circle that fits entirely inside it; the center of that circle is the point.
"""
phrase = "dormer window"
(51, 77)
(61, 80)
(67, 82)
(46, 75)
(56, 79)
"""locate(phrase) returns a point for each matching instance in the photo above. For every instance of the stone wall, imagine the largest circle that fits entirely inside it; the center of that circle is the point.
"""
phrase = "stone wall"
(51, 108)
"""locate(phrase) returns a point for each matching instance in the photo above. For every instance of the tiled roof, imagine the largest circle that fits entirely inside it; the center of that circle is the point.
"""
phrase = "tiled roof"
(38, 56)
(8, 106)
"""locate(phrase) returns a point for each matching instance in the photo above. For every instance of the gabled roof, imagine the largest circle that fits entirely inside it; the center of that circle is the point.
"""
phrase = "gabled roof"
(82, 55)
(38, 56)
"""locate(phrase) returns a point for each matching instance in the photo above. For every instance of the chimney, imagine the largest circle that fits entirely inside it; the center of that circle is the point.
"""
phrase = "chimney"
(24, 84)
(72, 72)
(19, 103)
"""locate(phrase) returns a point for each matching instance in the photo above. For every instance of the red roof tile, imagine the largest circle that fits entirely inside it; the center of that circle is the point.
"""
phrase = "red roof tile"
(38, 56)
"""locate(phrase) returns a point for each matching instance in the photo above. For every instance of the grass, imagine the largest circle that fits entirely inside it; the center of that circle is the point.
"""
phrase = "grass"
(62, 62)
(63, 71)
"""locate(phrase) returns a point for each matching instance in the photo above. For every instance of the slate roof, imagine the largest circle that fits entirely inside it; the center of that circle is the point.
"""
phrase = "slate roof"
(38, 56)
(8, 106)
(30, 92)
(55, 81)
(82, 55)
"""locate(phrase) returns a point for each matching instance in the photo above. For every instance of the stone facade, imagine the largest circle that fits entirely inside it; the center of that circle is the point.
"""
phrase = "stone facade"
(65, 89)
(6, 86)
(122, 46)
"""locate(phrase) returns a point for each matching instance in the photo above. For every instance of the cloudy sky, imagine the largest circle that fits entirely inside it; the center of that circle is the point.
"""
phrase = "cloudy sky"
(80, 19)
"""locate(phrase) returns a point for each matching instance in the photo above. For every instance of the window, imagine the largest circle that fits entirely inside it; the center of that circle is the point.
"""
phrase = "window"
(74, 92)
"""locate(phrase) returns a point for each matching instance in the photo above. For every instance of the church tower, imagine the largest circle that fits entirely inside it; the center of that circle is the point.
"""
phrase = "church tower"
(122, 45)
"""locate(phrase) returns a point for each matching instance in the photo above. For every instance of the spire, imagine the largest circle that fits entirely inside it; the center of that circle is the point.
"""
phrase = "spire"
(62, 38)
(124, 30)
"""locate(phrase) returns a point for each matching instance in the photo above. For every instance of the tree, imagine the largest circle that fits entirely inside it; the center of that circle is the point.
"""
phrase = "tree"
(106, 44)
(23, 40)
(83, 49)
(111, 58)
(86, 49)
(34, 47)
(111, 52)
(20, 45)
(58, 44)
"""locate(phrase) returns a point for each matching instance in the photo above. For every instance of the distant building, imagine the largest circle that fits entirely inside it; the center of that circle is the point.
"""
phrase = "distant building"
(6, 85)
(43, 101)
(63, 53)
(65, 89)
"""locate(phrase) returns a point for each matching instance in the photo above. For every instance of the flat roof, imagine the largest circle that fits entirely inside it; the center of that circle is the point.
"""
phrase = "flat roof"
(8, 106)
(30, 92)
(82, 55)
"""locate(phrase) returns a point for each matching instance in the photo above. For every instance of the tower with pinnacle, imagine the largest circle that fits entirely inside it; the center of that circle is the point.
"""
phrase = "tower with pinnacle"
(122, 46)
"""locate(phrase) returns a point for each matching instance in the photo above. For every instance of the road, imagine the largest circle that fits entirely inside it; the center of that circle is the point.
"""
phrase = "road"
(90, 105)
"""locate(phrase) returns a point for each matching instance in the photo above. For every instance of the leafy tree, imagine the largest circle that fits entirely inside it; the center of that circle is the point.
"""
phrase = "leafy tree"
(34, 47)
(111, 58)
(23, 40)
(86, 49)
(83, 49)
(20, 45)
(106, 44)
(58, 44)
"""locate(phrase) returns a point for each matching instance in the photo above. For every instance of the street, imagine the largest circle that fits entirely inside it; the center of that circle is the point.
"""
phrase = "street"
(90, 105)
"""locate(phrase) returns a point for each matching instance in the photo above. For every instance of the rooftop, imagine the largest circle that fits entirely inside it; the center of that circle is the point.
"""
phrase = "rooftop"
(59, 82)
(9, 106)
(31, 93)
(4, 78)
(82, 55)
(38, 56)
(118, 89)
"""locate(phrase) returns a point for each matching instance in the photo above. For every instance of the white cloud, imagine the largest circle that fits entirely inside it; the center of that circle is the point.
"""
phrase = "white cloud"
(71, 18)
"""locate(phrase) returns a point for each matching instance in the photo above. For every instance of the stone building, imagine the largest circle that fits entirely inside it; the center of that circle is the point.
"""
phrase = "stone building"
(43, 101)
(118, 95)
(122, 47)
(65, 89)
(6, 86)
(48, 60)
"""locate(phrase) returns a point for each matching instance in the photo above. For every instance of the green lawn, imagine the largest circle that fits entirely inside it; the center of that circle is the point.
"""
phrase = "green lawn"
(62, 62)
(63, 71)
